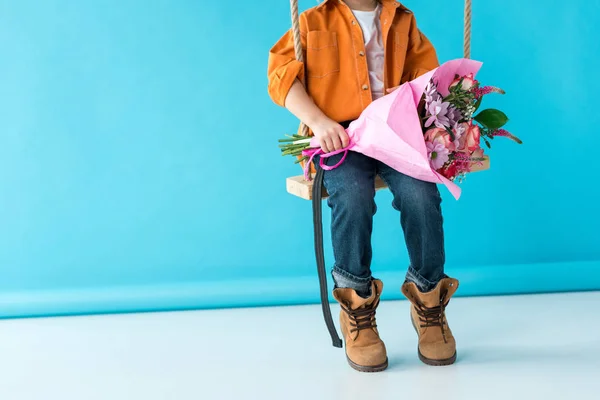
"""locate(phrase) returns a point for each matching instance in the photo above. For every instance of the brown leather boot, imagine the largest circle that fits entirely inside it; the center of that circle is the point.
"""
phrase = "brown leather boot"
(365, 351)
(436, 343)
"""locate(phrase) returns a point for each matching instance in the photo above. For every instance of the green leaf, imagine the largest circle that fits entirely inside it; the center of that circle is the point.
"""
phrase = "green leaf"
(491, 118)
(489, 146)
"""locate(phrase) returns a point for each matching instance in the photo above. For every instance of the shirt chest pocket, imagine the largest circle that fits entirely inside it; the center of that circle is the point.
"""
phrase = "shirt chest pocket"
(322, 54)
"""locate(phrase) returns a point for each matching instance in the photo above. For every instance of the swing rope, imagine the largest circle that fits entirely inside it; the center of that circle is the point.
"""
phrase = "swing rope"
(298, 46)
(317, 190)
(467, 31)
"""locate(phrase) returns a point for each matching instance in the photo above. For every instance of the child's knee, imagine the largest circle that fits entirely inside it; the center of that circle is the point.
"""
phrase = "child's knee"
(420, 195)
(355, 199)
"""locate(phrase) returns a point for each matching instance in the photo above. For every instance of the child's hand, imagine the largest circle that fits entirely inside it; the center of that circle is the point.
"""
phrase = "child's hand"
(332, 136)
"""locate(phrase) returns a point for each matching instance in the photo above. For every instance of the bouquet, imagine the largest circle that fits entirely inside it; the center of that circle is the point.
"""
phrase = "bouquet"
(428, 128)
(452, 131)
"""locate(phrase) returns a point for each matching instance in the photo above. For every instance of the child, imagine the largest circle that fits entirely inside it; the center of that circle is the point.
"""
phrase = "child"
(355, 52)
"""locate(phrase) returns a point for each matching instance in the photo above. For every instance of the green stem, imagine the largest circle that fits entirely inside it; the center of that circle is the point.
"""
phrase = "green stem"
(293, 152)
(299, 147)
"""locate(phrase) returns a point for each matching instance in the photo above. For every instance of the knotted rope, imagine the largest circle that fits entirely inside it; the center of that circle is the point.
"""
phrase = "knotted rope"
(298, 45)
(467, 30)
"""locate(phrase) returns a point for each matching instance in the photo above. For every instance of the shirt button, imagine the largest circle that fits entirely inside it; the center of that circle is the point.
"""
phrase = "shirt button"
(353, 22)
(361, 53)
(365, 87)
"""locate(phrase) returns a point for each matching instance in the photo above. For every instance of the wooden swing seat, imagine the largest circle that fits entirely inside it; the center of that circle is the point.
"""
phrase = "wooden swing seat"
(302, 188)
(299, 187)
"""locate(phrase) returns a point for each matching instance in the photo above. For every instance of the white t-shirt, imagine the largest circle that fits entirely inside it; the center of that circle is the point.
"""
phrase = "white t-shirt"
(370, 24)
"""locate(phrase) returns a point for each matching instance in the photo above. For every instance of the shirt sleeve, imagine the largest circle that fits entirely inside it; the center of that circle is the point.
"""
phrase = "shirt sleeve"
(421, 56)
(283, 67)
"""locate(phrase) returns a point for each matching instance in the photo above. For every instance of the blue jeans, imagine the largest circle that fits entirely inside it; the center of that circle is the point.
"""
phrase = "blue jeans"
(352, 202)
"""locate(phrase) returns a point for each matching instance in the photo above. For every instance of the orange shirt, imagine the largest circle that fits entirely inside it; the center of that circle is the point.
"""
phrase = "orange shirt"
(336, 63)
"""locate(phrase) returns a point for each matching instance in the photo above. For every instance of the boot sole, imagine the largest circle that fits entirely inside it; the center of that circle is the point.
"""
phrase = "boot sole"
(437, 363)
(362, 368)
(429, 361)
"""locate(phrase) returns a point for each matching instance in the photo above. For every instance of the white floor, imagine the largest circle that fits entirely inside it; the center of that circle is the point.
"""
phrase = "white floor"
(527, 347)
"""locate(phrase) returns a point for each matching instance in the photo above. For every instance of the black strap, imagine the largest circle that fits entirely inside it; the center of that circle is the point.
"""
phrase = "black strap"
(320, 254)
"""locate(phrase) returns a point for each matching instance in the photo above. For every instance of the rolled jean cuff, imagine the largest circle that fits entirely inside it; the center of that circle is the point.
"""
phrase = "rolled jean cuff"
(344, 279)
(422, 283)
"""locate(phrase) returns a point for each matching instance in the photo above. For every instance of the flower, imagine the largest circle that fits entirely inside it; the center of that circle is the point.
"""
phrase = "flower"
(431, 93)
(438, 154)
(469, 141)
(459, 130)
(480, 92)
(449, 171)
(505, 133)
(440, 136)
(468, 82)
(469, 111)
(454, 116)
(437, 111)
(462, 161)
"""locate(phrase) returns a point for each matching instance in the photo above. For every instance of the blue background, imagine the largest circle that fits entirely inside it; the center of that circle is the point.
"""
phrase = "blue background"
(139, 168)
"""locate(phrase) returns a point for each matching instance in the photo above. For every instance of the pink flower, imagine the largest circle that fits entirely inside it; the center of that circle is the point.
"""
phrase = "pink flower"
(482, 91)
(438, 154)
(505, 133)
(468, 81)
(469, 141)
(450, 171)
(440, 136)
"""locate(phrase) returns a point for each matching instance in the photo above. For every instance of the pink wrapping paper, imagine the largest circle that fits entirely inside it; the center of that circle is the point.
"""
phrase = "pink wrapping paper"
(389, 129)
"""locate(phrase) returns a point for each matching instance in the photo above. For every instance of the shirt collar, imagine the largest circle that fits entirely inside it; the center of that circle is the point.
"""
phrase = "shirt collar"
(385, 2)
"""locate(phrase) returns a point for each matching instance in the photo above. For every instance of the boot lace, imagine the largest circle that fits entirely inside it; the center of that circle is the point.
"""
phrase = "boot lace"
(362, 318)
(433, 316)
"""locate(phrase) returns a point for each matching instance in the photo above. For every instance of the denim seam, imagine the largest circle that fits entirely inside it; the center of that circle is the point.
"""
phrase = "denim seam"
(351, 277)
(418, 277)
